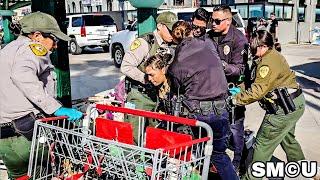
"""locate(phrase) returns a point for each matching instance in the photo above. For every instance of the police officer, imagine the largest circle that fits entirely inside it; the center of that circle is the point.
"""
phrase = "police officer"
(27, 88)
(232, 46)
(200, 19)
(140, 95)
(204, 98)
(274, 86)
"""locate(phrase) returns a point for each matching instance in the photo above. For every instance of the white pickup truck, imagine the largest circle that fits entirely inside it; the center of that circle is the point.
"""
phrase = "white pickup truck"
(121, 41)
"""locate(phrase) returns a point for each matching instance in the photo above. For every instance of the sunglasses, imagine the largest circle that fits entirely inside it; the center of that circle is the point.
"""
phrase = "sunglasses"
(51, 36)
(195, 27)
(217, 21)
(54, 38)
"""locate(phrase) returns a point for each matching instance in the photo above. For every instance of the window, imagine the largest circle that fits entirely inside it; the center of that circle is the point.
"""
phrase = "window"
(287, 12)
(256, 10)
(99, 8)
(89, 8)
(134, 27)
(81, 6)
(97, 20)
(76, 22)
(301, 14)
(268, 9)
(243, 10)
(73, 7)
(203, 2)
(69, 8)
(317, 14)
(278, 10)
(186, 16)
(178, 2)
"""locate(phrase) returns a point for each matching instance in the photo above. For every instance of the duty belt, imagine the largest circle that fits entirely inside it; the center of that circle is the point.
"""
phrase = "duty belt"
(216, 106)
(7, 130)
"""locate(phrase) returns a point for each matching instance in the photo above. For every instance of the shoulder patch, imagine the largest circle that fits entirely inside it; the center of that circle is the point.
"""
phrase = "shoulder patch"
(263, 71)
(135, 44)
(38, 49)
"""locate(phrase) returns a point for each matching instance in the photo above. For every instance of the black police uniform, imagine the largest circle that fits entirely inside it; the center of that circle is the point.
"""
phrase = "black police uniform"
(233, 48)
(197, 73)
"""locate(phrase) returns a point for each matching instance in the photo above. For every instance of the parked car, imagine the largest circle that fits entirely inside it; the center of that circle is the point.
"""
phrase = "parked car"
(89, 30)
(121, 41)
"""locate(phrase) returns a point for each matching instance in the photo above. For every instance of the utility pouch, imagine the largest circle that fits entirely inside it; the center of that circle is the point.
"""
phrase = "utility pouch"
(127, 85)
(269, 104)
(219, 106)
(231, 105)
(285, 100)
(24, 126)
(207, 107)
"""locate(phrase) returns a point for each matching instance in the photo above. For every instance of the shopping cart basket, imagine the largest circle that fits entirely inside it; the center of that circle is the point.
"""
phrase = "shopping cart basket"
(105, 149)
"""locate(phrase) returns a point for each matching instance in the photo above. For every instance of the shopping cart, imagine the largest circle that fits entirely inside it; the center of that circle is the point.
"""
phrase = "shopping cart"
(105, 149)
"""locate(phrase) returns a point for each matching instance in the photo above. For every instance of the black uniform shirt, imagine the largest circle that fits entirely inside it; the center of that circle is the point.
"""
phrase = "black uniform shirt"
(197, 71)
(232, 49)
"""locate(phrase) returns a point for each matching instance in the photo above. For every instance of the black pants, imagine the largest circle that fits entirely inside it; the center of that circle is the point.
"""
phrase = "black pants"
(24, 125)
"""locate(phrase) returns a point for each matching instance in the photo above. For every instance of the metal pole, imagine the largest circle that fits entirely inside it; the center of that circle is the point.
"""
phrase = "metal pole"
(297, 21)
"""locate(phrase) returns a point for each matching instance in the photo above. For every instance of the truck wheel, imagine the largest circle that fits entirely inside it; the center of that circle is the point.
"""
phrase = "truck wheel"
(75, 49)
(118, 54)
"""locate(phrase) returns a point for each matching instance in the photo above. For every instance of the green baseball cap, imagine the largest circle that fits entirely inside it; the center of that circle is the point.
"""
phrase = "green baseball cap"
(167, 18)
(42, 22)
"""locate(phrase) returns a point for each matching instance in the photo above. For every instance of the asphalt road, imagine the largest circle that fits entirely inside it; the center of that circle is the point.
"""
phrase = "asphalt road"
(91, 73)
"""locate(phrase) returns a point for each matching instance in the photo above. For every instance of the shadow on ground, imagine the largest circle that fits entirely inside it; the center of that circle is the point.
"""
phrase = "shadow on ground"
(309, 69)
(95, 50)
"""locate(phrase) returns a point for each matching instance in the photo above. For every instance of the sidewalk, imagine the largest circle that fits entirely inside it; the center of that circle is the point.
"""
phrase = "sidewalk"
(305, 60)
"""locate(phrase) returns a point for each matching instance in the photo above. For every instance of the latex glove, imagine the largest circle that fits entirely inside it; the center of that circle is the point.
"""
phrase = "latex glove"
(234, 91)
(73, 114)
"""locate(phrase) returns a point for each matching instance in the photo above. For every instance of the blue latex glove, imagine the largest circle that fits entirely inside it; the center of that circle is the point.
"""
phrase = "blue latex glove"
(73, 114)
(234, 91)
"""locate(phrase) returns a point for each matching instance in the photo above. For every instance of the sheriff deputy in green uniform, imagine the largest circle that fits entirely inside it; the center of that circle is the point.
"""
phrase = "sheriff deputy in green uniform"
(27, 89)
(276, 89)
(140, 94)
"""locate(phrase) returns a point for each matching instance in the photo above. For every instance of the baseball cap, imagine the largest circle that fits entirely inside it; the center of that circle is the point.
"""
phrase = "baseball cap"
(42, 22)
(167, 18)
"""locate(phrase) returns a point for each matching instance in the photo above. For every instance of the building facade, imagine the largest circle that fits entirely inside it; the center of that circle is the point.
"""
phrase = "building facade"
(297, 18)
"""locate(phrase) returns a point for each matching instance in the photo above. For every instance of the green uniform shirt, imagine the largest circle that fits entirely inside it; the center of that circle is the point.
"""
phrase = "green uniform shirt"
(138, 52)
(272, 72)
